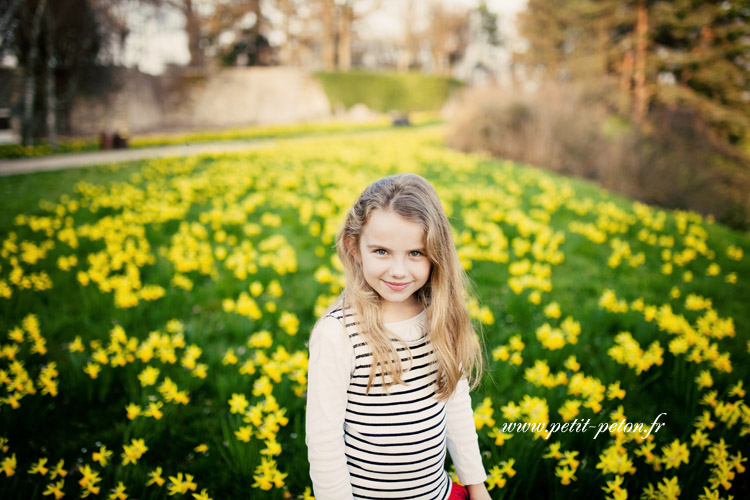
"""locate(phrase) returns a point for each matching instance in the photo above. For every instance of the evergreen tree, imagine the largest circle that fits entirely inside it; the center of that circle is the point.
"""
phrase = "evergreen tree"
(701, 59)
(685, 53)
(568, 39)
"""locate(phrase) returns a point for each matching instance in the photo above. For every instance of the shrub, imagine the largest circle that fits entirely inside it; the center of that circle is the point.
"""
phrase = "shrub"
(387, 92)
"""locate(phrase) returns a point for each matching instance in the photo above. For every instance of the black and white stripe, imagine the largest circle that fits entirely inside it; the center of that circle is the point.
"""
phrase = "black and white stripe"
(396, 438)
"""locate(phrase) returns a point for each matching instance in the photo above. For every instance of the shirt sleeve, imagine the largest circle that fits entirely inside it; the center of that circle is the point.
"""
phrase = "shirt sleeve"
(329, 372)
(463, 444)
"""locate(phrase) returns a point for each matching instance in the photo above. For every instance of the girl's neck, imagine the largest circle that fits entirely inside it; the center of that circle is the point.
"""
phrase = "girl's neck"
(394, 312)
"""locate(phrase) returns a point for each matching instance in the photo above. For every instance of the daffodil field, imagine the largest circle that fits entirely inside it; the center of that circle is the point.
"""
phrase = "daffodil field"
(154, 319)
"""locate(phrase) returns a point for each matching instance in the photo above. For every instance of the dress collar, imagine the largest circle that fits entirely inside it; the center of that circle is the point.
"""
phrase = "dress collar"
(409, 329)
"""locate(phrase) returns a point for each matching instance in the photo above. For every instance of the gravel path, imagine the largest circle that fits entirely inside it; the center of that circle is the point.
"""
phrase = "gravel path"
(90, 158)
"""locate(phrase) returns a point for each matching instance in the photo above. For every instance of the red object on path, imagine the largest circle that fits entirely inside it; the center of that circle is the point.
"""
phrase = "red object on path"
(459, 493)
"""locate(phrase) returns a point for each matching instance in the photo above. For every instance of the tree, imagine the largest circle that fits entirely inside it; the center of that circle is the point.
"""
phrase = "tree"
(412, 37)
(230, 30)
(701, 59)
(245, 25)
(338, 19)
(49, 78)
(52, 41)
(328, 15)
(294, 15)
(30, 74)
(7, 23)
(640, 97)
(684, 52)
(193, 25)
(448, 36)
(488, 29)
(569, 38)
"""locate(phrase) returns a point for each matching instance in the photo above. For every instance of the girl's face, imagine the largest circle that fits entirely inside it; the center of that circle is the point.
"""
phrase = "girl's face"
(391, 250)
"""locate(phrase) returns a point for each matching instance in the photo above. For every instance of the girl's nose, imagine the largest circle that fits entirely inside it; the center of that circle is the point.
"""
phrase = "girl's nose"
(398, 270)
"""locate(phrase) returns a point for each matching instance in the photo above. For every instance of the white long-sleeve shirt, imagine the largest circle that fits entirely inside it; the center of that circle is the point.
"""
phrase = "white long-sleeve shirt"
(383, 444)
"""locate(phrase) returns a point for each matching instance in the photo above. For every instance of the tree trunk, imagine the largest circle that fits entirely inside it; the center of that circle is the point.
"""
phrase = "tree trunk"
(28, 102)
(286, 51)
(50, 85)
(290, 49)
(261, 56)
(408, 52)
(5, 26)
(626, 72)
(328, 8)
(640, 97)
(30, 83)
(258, 26)
(602, 46)
(193, 29)
(345, 37)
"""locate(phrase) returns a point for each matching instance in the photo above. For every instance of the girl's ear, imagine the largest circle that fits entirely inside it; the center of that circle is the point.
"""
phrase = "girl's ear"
(350, 243)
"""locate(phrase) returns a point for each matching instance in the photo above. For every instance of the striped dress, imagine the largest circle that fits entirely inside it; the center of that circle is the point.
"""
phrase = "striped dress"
(396, 439)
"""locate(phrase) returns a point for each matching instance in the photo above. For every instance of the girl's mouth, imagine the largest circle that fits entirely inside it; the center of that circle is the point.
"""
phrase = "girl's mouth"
(396, 286)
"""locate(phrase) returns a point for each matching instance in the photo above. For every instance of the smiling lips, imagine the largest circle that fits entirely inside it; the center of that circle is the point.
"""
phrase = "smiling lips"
(396, 286)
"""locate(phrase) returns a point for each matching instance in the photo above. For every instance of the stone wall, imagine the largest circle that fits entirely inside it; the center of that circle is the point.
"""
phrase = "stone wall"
(184, 99)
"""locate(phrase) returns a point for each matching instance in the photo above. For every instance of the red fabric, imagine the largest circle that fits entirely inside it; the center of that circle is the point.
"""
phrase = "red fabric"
(458, 492)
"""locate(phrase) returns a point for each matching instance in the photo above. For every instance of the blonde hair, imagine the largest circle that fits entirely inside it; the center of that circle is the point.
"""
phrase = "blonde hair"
(448, 324)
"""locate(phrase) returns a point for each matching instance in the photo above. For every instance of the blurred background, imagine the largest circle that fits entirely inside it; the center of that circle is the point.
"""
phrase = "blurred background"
(648, 98)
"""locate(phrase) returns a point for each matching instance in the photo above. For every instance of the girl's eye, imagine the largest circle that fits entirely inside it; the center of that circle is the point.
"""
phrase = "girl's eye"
(415, 253)
(380, 251)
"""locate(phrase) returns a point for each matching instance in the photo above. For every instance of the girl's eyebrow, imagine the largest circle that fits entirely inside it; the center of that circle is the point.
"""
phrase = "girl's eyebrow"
(420, 249)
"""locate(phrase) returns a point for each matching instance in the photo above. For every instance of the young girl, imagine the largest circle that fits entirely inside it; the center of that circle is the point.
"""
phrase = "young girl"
(390, 362)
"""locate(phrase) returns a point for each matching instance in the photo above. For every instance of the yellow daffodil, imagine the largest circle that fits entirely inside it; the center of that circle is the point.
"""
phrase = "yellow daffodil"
(483, 414)
(569, 410)
(118, 492)
(203, 495)
(674, 454)
(39, 467)
(8, 465)
(704, 379)
(55, 489)
(495, 478)
(102, 456)
(58, 470)
(566, 474)
(133, 410)
(134, 451)
(155, 477)
(180, 484)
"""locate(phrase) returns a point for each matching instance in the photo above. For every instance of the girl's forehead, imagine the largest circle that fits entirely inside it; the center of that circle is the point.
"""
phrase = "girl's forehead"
(388, 226)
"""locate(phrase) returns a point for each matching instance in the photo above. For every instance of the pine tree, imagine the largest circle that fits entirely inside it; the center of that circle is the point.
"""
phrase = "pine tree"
(701, 59)
(682, 53)
(568, 39)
